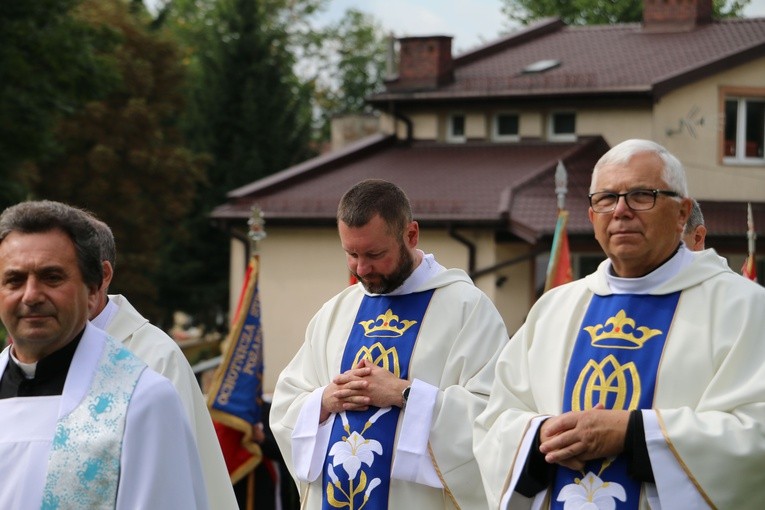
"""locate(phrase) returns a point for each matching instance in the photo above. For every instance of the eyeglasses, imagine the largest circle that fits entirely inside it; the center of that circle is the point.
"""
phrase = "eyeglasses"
(637, 199)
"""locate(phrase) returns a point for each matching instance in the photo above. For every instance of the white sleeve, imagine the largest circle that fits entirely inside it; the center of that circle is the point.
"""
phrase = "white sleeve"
(412, 461)
(160, 466)
(310, 438)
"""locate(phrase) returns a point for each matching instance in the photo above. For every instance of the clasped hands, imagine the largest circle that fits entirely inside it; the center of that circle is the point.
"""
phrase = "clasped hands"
(575, 437)
(362, 386)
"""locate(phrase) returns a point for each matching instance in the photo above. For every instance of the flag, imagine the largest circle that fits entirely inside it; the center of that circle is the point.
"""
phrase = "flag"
(749, 269)
(559, 267)
(236, 394)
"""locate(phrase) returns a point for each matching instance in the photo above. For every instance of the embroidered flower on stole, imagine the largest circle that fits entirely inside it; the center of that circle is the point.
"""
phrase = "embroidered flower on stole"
(591, 493)
(354, 451)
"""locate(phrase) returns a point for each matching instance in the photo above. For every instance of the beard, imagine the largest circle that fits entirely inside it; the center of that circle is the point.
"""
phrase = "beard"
(384, 284)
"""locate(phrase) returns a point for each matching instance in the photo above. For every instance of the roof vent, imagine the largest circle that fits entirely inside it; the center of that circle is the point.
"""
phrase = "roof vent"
(541, 66)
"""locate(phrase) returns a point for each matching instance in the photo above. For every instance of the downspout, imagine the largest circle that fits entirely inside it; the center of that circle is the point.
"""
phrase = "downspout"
(403, 118)
(470, 246)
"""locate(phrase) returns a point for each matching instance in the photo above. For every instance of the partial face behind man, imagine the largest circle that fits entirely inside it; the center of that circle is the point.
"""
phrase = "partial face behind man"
(43, 299)
(379, 258)
(637, 242)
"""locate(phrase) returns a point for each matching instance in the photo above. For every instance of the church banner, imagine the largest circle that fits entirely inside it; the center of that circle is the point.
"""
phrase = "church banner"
(236, 394)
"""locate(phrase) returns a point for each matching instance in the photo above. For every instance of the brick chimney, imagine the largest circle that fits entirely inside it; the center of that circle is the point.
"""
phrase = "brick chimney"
(424, 63)
(670, 15)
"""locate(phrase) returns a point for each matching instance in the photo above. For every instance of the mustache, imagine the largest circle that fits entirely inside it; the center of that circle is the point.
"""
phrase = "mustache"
(42, 310)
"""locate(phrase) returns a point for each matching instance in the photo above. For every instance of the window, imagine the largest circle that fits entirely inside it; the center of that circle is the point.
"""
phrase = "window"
(744, 129)
(505, 127)
(562, 126)
(455, 130)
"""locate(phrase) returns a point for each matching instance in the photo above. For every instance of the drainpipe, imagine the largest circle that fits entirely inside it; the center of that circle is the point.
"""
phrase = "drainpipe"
(470, 246)
(403, 118)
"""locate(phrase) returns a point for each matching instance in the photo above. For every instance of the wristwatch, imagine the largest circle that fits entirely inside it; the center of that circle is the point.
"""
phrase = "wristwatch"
(405, 397)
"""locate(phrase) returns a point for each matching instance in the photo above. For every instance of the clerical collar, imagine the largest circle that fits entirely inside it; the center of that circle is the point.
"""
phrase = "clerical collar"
(49, 367)
(102, 320)
(645, 284)
(427, 269)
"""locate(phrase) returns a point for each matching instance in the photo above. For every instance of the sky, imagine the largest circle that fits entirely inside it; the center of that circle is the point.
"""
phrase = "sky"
(472, 23)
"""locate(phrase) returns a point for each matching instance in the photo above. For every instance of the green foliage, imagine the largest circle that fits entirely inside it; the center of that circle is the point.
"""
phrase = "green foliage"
(51, 63)
(595, 12)
(123, 157)
(249, 112)
(353, 53)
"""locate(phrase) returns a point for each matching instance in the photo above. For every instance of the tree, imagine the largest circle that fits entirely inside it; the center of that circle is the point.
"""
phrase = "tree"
(349, 59)
(50, 64)
(594, 12)
(249, 112)
(123, 158)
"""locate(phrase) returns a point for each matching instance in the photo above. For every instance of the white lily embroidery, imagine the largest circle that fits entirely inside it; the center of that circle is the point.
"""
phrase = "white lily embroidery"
(372, 486)
(591, 493)
(353, 451)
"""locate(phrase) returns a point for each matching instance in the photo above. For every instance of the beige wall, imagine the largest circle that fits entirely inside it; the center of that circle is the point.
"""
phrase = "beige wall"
(708, 176)
(475, 126)
(615, 126)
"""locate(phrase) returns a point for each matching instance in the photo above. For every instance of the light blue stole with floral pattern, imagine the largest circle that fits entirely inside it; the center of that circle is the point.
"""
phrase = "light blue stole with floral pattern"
(84, 461)
(359, 457)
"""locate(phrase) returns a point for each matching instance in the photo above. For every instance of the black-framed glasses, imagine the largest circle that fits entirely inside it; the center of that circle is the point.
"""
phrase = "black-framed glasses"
(637, 199)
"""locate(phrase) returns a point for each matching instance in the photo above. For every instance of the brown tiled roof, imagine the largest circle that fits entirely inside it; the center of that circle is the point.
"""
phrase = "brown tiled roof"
(602, 59)
(507, 187)
(503, 187)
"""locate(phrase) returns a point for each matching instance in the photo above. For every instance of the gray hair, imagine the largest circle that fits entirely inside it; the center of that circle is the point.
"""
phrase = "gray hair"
(672, 173)
(375, 196)
(105, 239)
(34, 217)
(695, 219)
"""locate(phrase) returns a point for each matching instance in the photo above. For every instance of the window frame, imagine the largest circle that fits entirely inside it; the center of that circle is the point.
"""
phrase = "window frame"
(554, 136)
(741, 95)
(450, 136)
(496, 136)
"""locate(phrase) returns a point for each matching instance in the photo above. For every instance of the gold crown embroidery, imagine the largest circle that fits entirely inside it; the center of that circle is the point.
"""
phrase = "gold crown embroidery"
(621, 335)
(386, 325)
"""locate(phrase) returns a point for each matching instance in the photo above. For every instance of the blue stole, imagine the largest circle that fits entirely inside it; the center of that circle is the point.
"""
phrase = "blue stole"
(360, 452)
(614, 362)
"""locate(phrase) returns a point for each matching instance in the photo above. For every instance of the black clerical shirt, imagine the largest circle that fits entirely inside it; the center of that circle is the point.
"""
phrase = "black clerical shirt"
(50, 374)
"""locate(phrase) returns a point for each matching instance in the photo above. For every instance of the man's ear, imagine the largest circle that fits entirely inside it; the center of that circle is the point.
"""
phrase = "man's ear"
(412, 234)
(108, 275)
(685, 212)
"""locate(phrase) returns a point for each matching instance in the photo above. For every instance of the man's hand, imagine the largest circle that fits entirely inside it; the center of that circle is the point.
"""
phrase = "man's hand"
(364, 385)
(343, 393)
(573, 438)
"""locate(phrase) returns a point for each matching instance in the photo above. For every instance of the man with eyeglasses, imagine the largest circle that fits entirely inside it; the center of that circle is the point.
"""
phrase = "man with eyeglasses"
(641, 385)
